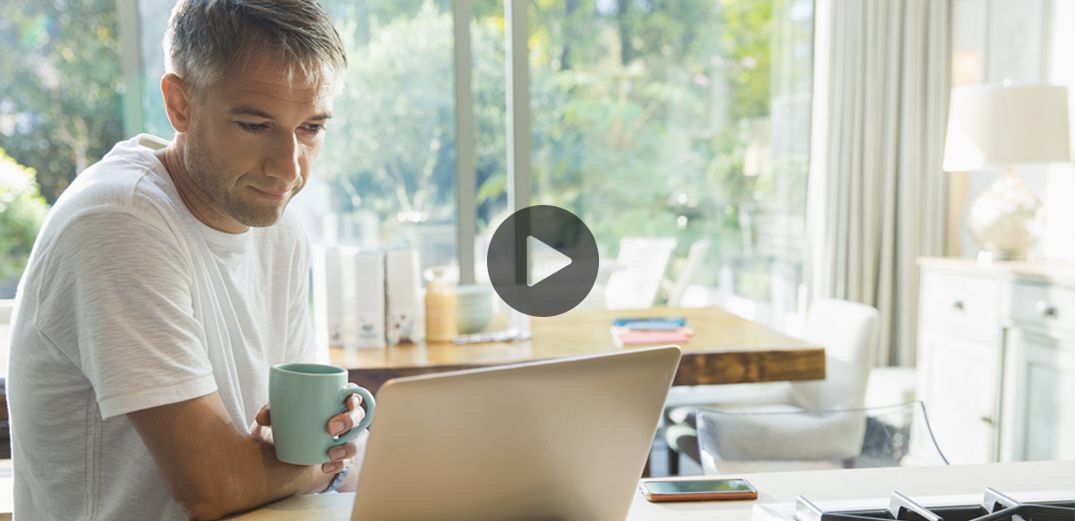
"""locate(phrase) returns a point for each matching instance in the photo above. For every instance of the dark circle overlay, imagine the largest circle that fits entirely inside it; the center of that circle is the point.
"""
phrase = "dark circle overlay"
(559, 292)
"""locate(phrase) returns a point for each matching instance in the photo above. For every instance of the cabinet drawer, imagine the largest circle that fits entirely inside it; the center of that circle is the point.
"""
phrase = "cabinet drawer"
(966, 306)
(1044, 308)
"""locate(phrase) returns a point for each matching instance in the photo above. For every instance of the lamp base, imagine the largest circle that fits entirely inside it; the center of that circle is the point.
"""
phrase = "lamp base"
(989, 256)
(1006, 219)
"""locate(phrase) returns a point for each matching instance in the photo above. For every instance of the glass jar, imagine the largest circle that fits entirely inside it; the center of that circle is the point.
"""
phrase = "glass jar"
(441, 306)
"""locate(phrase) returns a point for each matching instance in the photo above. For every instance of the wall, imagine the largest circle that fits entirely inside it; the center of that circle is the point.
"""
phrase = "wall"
(1059, 238)
(1025, 41)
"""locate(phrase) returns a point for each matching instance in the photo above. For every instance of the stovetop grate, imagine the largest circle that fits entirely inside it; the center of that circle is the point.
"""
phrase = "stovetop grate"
(995, 506)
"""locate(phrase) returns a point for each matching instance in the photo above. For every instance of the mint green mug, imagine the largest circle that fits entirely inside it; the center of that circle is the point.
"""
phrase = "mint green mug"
(302, 399)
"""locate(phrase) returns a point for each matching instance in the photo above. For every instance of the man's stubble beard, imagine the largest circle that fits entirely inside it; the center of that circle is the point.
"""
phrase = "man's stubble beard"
(209, 179)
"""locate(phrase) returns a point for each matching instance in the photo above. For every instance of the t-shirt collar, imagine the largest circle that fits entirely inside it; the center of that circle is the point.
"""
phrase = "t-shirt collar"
(222, 242)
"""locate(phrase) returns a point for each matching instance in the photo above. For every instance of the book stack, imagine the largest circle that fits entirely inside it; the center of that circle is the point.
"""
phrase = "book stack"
(650, 331)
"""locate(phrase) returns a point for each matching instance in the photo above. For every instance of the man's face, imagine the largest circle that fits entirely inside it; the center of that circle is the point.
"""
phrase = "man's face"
(252, 138)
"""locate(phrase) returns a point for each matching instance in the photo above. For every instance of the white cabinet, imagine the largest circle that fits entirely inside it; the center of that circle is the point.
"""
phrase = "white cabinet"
(959, 363)
(963, 416)
(996, 359)
(1041, 397)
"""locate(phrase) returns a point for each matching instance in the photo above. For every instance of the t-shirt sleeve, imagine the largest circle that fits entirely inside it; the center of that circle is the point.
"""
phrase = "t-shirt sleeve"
(302, 345)
(120, 288)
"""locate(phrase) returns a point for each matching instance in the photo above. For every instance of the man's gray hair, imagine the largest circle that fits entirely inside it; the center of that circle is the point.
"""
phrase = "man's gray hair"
(208, 38)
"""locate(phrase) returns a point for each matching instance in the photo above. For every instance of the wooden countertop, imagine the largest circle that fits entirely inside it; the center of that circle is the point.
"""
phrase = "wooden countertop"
(772, 488)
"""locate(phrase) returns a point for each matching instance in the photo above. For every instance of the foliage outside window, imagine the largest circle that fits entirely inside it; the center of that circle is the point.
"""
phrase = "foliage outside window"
(687, 119)
(60, 86)
(696, 127)
(22, 210)
(60, 89)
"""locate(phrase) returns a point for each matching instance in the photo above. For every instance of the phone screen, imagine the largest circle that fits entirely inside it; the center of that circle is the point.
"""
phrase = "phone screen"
(700, 486)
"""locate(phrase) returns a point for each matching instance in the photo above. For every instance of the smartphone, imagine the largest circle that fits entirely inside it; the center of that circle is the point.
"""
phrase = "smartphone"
(696, 489)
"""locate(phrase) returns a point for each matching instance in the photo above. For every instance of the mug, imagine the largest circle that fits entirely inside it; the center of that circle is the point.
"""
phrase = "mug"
(474, 308)
(302, 399)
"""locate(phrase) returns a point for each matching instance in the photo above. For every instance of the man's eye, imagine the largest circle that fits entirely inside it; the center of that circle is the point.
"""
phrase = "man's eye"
(314, 128)
(252, 128)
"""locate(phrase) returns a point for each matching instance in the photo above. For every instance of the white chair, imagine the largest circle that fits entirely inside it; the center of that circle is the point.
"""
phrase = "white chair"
(890, 436)
(848, 332)
(889, 385)
(695, 258)
(641, 265)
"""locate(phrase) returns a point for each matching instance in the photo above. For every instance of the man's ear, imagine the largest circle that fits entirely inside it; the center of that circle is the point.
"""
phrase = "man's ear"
(178, 101)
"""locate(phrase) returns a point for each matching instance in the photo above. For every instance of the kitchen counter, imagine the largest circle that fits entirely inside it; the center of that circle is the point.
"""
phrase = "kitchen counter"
(772, 488)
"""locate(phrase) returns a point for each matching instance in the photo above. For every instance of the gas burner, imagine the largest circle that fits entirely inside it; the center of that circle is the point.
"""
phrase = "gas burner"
(995, 506)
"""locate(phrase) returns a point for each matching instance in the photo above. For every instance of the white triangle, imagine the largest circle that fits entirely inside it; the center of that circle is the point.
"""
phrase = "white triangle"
(546, 260)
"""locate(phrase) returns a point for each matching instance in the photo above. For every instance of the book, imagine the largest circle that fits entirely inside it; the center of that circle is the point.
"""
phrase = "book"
(362, 280)
(406, 308)
(349, 297)
(624, 336)
(650, 323)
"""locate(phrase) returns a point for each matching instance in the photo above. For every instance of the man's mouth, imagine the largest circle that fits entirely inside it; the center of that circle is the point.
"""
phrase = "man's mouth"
(273, 195)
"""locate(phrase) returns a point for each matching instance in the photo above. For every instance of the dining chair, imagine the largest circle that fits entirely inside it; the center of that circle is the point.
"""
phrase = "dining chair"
(695, 259)
(848, 332)
(772, 441)
(641, 262)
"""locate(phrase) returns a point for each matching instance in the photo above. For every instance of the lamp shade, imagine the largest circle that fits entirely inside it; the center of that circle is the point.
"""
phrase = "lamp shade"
(993, 125)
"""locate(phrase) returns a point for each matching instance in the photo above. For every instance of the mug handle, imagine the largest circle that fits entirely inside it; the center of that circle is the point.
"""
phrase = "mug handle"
(369, 403)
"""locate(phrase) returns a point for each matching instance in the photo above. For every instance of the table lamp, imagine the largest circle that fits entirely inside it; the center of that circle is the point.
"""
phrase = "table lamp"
(1003, 126)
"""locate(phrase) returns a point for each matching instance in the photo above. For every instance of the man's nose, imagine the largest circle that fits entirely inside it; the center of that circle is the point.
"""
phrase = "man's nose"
(285, 159)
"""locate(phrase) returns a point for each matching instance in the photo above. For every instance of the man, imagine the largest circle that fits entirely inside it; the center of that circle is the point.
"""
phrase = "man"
(167, 281)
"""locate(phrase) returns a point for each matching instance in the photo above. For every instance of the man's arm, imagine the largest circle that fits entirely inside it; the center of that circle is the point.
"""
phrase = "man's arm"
(214, 467)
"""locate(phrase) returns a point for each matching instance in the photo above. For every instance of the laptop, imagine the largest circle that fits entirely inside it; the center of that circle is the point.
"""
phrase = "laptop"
(565, 439)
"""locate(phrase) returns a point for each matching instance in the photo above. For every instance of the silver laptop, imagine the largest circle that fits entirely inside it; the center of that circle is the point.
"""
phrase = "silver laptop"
(565, 439)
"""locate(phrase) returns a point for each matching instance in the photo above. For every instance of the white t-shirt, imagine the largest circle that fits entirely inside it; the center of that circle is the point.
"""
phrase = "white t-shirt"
(129, 302)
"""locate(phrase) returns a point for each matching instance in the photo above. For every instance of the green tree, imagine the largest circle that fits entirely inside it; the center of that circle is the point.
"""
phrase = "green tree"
(641, 115)
(60, 85)
(22, 210)
(397, 113)
(638, 105)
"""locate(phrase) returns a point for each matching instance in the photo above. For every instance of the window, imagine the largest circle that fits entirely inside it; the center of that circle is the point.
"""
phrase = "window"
(60, 110)
(386, 174)
(686, 120)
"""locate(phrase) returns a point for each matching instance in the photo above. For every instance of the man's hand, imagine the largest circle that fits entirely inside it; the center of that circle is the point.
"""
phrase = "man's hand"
(340, 455)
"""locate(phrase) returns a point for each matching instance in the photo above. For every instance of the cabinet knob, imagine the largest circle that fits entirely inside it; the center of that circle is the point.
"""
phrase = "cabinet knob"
(988, 420)
(957, 305)
(1047, 310)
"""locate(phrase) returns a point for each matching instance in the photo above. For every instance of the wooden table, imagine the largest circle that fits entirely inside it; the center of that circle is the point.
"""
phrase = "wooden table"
(725, 349)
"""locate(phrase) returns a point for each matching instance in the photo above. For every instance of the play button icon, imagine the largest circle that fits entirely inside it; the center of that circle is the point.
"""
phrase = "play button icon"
(562, 265)
(552, 261)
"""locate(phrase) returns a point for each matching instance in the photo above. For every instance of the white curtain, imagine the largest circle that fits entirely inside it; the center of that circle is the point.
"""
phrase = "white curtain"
(877, 194)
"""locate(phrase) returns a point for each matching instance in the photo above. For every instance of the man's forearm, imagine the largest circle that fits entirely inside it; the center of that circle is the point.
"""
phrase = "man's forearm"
(256, 478)
(213, 468)
(248, 477)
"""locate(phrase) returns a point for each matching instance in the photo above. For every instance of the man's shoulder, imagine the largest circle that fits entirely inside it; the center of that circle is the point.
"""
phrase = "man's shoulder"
(129, 179)
(121, 172)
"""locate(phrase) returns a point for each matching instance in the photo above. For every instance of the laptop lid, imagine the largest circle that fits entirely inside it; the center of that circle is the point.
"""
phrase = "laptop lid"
(564, 439)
